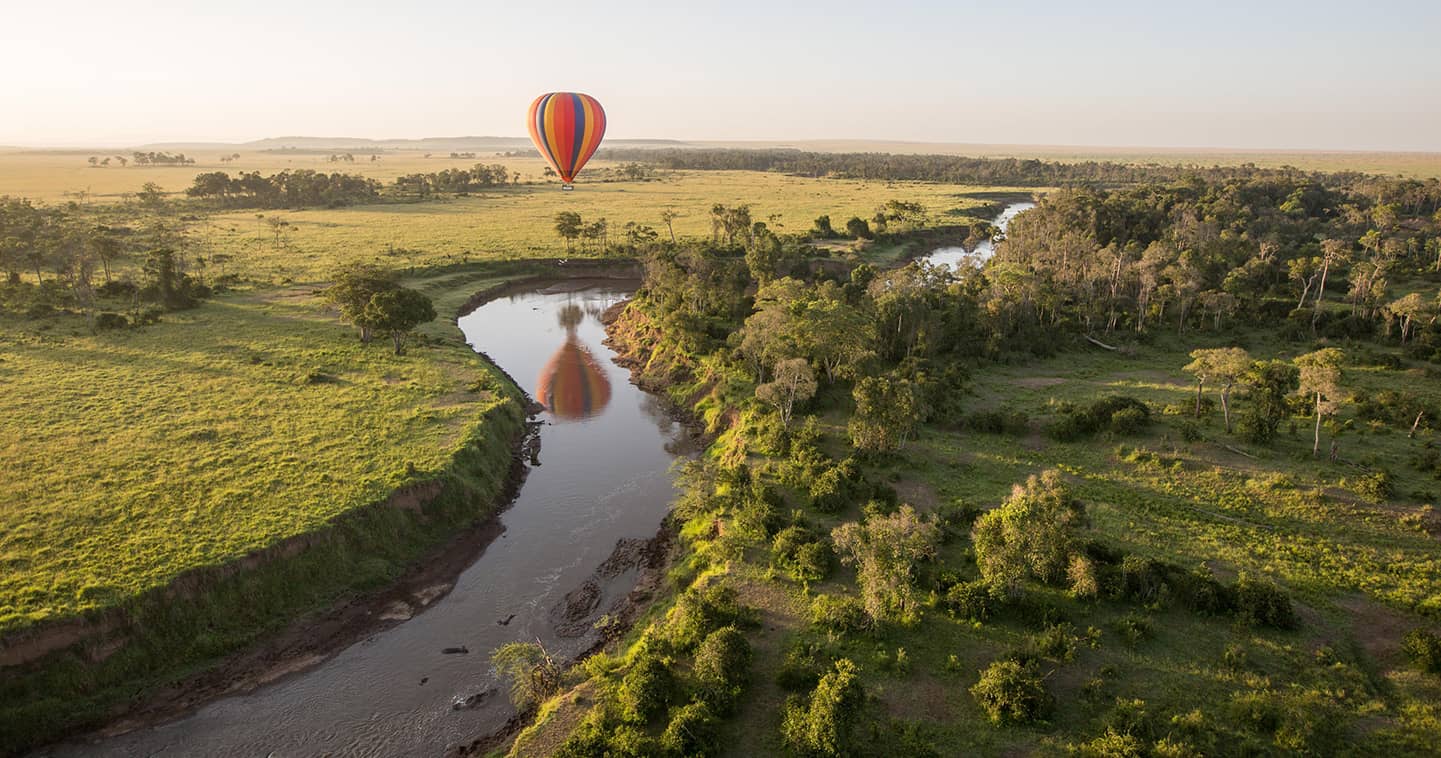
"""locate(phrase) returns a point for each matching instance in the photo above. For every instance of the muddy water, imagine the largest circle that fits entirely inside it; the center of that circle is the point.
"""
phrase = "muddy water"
(954, 256)
(604, 475)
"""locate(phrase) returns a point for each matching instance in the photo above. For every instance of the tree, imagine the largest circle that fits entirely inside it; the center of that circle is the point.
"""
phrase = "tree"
(823, 228)
(885, 551)
(1333, 252)
(888, 409)
(152, 196)
(668, 217)
(397, 312)
(794, 382)
(1268, 384)
(533, 674)
(1410, 309)
(858, 228)
(569, 226)
(353, 290)
(1033, 534)
(1223, 365)
(821, 725)
(1321, 378)
(1011, 692)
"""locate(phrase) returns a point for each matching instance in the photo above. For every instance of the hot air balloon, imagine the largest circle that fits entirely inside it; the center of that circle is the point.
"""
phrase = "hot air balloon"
(572, 385)
(566, 127)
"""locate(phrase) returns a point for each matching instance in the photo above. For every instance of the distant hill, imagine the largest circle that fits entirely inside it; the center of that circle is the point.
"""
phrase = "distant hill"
(362, 144)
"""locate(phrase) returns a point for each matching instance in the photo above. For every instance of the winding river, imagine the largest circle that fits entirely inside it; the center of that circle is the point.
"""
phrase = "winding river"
(604, 476)
(601, 486)
(955, 256)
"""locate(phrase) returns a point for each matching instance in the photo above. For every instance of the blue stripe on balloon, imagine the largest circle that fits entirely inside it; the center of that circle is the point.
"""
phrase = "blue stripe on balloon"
(580, 126)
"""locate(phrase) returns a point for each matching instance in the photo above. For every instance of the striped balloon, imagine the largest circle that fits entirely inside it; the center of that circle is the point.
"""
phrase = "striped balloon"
(566, 127)
(573, 385)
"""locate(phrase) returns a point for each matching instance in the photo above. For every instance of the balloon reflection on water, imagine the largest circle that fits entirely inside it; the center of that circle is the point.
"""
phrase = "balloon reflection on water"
(573, 385)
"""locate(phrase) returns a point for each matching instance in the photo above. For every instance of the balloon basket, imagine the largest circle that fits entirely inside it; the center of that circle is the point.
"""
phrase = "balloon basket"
(567, 187)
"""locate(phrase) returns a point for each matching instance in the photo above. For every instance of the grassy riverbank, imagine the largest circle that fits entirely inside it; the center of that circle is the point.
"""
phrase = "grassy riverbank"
(223, 434)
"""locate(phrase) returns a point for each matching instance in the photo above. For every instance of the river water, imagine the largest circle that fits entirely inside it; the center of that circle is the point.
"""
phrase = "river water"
(956, 256)
(605, 475)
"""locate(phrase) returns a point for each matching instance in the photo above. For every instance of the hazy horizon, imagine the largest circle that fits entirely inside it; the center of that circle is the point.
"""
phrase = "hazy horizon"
(1281, 76)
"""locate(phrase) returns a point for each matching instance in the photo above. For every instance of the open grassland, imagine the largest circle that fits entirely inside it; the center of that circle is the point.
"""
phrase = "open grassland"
(133, 456)
(60, 175)
(519, 223)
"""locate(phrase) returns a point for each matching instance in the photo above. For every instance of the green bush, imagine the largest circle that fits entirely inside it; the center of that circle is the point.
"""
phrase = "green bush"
(1133, 628)
(821, 724)
(1141, 578)
(1376, 487)
(105, 321)
(722, 667)
(646, 689)
(801, 668)
(693, 731)
(1012, 693)
(805, 555)
(971, 600)
(838, 613)
(1128, 421)
(698, 612)
(1260, 603)
(1423, 647)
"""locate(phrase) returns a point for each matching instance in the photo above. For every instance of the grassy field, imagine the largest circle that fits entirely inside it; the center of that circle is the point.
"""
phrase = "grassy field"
(220, 431)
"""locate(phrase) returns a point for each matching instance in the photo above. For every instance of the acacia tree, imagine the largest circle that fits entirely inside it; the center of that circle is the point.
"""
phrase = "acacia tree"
(569, 226)
(668, 217)
(1321, 378)
(1224, 366)
(1409, 310)
(353, 290)
(885, 551)
(794, 382)
(397, 312)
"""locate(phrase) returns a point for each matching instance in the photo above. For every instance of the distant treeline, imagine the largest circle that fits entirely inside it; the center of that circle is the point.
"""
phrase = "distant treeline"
(951, 169)
(287, 189)
(457, 180)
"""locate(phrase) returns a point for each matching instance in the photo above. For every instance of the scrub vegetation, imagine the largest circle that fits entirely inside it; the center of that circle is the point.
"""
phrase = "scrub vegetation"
(1032, 506)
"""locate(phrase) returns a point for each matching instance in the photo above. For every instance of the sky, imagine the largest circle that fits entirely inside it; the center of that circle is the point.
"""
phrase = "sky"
(1261, 74)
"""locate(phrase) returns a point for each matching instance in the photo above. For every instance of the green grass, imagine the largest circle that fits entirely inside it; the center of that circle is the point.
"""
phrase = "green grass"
(190, 443)
(518, 223)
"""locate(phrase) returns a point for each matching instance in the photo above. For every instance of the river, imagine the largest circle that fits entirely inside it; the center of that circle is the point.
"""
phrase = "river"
(604, 475)
(955, 256)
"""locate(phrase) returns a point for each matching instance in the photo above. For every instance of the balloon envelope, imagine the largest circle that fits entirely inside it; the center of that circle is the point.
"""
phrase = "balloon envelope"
(573, 385)
(566, 127)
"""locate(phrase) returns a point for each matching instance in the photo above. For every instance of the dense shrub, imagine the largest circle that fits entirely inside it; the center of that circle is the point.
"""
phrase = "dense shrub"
(105, 321)
(698, 612)
(821, 724)
(1012, 693)
(803, 554)
(1376, 487)
(1074, 422)
(646, 689)
(692, 731)
(838, 613)
(1032, 534)
(1141, 579)
(1001, 421)
(836, 487)
(1261, 603)
(1424, 649)
(971, 600)
(722, 667)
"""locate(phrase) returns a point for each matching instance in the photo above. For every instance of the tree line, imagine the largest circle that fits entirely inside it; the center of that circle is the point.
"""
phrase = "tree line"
(287, 189)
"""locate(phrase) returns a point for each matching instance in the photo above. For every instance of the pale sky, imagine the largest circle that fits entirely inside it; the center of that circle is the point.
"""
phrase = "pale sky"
(1268, 74)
